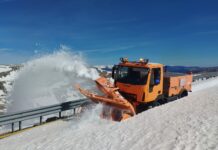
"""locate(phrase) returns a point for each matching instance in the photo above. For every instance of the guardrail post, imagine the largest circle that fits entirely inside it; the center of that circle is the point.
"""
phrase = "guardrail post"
(12, 127)
(40, 119)
(20, 123)
(60, 114)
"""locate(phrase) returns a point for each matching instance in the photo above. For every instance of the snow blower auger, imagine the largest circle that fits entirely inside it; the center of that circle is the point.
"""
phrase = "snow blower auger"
(115, 106)
(137, 86)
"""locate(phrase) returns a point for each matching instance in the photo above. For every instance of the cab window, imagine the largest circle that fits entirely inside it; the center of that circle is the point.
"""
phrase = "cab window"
(155, 78)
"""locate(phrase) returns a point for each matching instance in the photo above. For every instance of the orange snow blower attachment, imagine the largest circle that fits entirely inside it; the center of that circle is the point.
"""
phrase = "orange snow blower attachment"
(120, 108)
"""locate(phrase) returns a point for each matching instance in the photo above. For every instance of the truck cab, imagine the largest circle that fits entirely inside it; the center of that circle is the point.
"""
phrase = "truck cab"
(140, 81)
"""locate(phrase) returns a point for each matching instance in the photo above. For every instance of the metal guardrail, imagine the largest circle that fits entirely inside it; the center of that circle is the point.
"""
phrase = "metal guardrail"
(205, 75)
(18, 117)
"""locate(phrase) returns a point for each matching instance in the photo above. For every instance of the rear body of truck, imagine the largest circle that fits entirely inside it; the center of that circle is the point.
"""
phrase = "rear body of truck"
(177, 85)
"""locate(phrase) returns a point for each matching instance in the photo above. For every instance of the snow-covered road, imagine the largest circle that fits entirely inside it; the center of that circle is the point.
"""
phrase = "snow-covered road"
(187, 124)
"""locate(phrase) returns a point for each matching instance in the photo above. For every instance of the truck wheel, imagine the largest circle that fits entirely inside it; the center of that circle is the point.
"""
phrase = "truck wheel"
(183, 94)
(163, 101)
(156, 103)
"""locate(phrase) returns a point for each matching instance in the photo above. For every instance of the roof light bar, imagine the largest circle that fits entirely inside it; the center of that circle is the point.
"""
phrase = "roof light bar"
(124, 60)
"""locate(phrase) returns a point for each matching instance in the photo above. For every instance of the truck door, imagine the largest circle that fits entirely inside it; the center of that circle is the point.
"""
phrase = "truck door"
(155, 84)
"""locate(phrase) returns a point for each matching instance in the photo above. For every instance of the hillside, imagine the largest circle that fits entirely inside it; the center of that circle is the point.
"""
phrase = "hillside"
(7, 76)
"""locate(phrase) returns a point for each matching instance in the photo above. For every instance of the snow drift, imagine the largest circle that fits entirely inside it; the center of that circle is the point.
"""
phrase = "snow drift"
(190, 123)
(49, 80)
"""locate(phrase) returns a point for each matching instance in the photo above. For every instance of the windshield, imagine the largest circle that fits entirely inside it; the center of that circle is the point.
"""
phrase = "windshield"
(131, 75)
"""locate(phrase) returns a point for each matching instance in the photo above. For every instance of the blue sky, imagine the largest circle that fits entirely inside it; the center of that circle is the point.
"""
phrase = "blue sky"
(170, 32)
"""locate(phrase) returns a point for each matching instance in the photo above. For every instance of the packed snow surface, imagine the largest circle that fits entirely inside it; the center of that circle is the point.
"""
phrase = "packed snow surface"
(186, 124)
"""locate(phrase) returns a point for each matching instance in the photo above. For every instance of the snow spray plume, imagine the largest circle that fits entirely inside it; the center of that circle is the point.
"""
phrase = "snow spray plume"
(49, 80)
(90, 119)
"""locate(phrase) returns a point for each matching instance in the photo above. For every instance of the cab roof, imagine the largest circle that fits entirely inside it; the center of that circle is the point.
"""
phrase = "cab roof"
(140, 64)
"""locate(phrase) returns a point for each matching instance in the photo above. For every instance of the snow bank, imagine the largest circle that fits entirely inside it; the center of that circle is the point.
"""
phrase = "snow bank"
(187, 124)
(204, 84)
(49, 80)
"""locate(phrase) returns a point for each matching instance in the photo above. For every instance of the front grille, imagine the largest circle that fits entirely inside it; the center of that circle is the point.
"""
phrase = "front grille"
(128, 96)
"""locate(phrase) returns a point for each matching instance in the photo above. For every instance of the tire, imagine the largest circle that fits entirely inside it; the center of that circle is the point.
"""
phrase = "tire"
(183, 94)
(156, 103)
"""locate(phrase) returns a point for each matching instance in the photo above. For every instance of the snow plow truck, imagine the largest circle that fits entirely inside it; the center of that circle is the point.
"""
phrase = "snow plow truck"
(137, 86)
